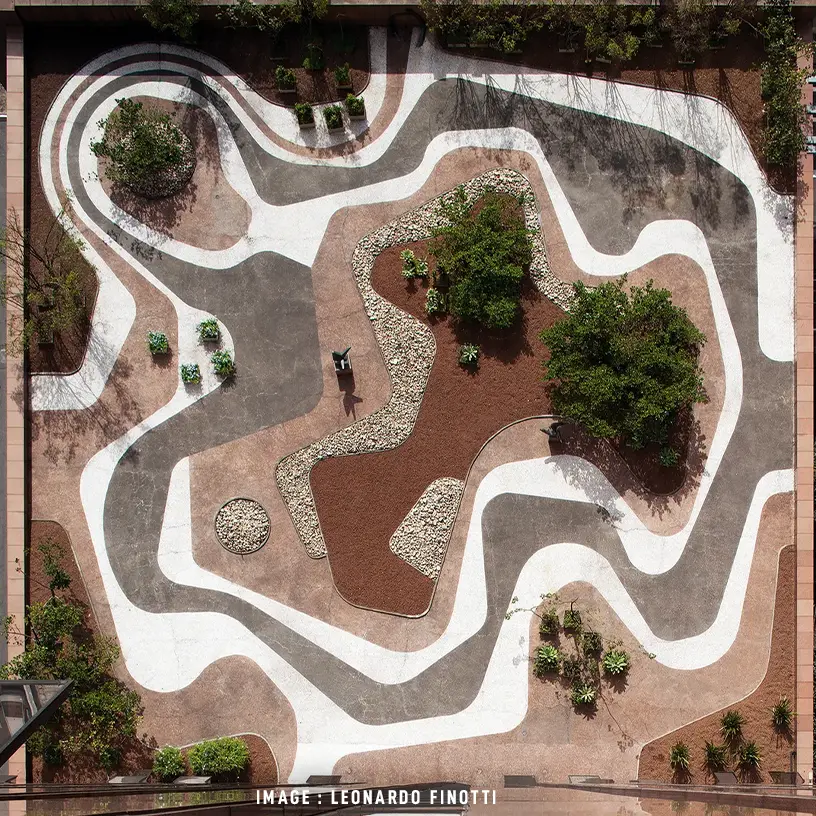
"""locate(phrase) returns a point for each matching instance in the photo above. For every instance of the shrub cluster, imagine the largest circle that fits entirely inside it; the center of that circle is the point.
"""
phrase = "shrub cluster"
(157, 342)
(168, 764)
(224, 759)
(413, 267)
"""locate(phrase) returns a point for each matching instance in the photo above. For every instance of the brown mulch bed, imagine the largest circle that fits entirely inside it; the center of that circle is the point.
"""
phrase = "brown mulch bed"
(253, 56)
(461, 409)
(138, 754)
(779, 681)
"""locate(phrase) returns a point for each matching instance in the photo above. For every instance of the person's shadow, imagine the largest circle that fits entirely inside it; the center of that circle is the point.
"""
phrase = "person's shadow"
(350, 399)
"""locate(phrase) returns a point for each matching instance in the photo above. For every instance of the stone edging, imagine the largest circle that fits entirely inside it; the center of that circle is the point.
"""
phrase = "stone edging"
(408, 348)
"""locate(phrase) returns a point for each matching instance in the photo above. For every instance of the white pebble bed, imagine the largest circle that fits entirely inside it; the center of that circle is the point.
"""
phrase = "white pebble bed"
(242, 526)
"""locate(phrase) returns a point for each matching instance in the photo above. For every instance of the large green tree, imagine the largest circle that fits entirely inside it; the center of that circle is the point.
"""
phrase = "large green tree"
(624, 364)
(482, 251)
(101, 713)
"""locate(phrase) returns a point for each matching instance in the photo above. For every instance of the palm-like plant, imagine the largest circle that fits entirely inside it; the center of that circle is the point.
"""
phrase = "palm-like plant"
(715, 757)
(731, 726)
(679, 757)
(749, 757)
(782, 714)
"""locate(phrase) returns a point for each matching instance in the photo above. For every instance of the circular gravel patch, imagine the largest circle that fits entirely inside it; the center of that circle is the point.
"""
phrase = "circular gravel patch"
(242, 526)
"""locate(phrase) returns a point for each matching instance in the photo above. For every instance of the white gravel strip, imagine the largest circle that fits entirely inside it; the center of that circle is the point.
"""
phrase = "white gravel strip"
(408, 349)
(242, 526)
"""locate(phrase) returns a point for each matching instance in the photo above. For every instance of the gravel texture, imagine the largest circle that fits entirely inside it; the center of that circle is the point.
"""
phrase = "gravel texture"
(242, 526)
(408, 349)
(423, 536)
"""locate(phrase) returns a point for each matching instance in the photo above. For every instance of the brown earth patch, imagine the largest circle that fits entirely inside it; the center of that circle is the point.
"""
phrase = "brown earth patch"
(207, 212)
(138, 753)
(755, 708)
(462, 407)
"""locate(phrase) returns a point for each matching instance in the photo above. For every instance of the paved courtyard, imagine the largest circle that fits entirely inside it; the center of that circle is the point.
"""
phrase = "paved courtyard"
(352, 642)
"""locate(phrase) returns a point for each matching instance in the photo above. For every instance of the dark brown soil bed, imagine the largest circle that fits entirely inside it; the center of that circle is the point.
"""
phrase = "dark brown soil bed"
(461, 409)
(253, 55)
(138, 754)
(730, 75)
(779, 681)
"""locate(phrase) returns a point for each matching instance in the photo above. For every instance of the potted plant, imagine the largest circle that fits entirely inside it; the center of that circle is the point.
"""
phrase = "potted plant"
(355, 107)
(285, 78)
(209, 331)
(190, 373)
(333, 115)
(305, 115)
(223, 363)
(157, 342)
(342, 75)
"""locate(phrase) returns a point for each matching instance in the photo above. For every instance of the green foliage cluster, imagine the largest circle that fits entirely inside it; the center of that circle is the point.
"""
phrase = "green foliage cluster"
(680, 758)
(342, 75)
(333, 114)
(731, 726)
(572, 620)
(190, 373)
(547, 660)
(284, 77)
(157, 342)
(101, 714)
(314, 59)
(413, 267)
(469, 354)
(549, 622)
(624, 364)
(355, 105)
(208, 330)
(615, 661)
(304, 113)
(782, 714)
(434, 301)
(271, 18)
(592, 642)
(715, 758)
(223, 363)
(224, 759)
(482, 250)
(168, 764)
(139, 143)
(176, 17)
(583, 694)
(783, 134)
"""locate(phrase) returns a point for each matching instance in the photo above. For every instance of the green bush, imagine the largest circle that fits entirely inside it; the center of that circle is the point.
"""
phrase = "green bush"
(572, 668)
(434, 301)
(208, 330)
(314, 60)
(583, 694)
(482, 252)
(679, 757)
(549, 623)
(267, 18)
(715, 757)
(592, 642)
(224, 759)
(157, 342)
(304, 113)
(624, 364)
(285, 78)
(731, 726)
(355, 105)
(190, 373)
(572, 620)
(547, 660)
(413, 267)
(669, 457)
(223, 363)
(143, 147)
(782, 715)
(469, 354)
(616, 662)
(342, 75)
(749, 757)
(333, 115)
(179, 17)
(168, 764)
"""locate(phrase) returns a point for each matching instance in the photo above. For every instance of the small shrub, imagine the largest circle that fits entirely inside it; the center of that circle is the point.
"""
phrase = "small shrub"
(190, 373)
(782, 714)
(669, 457)
(715, 757)
(179, 17)
(333, 116)
(223, 363)
(549, 623)
(749, 757)
(616, 662)
(342, 75)
(314, 60)
(572, 669)
(434, 302)
(355, 105)
(157, 342)
(572, 620)
(583, 694)
(223, 758)
(209, 330)
(592, 642)
(168, 764)
(547, 660)
(304, 113)
(679, 758)
(413, 267)
(469, 354)
(731, 726)
(285, 77)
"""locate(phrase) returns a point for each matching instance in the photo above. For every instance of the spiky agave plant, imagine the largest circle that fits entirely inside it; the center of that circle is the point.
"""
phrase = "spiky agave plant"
(749, 757)
(547, 660)
(782, 714)
(731, 726)
(615, 662)
(583, 694)
(715, 757)
(679, 757)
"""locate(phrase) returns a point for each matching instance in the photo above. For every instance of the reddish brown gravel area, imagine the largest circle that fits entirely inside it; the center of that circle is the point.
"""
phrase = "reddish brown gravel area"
(461, 409)
(774, 745)
(138, 754)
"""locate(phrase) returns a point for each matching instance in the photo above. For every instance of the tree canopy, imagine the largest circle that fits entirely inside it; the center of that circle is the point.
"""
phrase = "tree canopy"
(624, 364)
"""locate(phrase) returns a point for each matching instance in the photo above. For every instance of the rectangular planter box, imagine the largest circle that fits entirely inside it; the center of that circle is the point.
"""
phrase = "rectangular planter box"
(307, 125)
(345, 88)
(359, 117)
